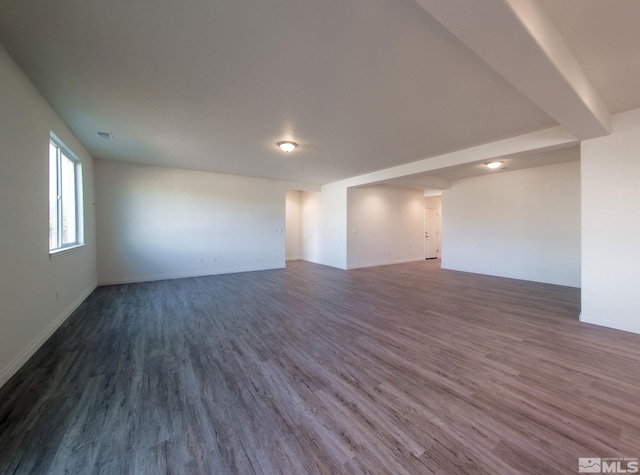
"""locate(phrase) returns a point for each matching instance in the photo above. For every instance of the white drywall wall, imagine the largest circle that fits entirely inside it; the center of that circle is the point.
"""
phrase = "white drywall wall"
(385, 225)
(523, 224)
(311, 228)
(293, 227)
(36, 293)
(333, 225)
(611, 225)
(324, 225)
(160, 223)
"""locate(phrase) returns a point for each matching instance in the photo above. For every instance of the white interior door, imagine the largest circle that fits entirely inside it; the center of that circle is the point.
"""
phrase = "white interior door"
(431, 233)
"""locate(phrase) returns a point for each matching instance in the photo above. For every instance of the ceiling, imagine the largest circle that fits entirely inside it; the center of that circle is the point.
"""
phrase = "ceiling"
(446, 177)
(605, 39)
(361, 85)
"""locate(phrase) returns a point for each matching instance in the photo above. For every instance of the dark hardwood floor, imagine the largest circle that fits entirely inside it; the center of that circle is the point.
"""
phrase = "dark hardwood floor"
(397, 369)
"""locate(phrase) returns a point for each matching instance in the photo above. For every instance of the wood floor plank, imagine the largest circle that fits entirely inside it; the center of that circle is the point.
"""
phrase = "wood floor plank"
(397, 369)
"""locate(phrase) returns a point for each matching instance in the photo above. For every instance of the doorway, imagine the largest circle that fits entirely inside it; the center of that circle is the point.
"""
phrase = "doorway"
(432, 228)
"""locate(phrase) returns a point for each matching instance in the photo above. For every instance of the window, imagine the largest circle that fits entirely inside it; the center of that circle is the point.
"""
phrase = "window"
(65, 198)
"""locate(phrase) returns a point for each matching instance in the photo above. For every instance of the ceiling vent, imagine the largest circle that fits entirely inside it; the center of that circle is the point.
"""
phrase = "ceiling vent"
(105, 135)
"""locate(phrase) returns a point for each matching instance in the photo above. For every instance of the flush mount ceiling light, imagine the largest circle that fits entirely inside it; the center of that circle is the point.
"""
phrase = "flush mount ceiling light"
(494, 165)
(287, 145)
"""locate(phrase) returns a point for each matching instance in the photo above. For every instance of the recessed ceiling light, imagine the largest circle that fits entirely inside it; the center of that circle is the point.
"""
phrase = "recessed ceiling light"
(494, 165)
(287, 145)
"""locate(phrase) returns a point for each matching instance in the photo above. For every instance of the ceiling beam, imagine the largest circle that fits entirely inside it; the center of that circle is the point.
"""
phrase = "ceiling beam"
(539, 141)
(518, 40)
(426, 182)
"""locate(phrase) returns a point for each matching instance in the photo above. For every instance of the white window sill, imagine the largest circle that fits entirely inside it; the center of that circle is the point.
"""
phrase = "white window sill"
(58, 253)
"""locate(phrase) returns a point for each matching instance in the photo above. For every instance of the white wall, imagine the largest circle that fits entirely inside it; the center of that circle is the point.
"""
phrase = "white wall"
(29, 280)
(159, 223)
(324, 226)
(385, 225)
(311, 227)
(523, 224)
(293, 229)
(611, 226)
(333, 225)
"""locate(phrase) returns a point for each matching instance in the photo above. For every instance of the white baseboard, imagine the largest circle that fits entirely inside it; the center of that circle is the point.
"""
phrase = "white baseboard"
(182, 275)
(627, 327)
(386, 262)
(294, 258)
(14, 365)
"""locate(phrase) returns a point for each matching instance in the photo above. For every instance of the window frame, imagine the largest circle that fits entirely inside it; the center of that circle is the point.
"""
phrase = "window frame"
(62, 152)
